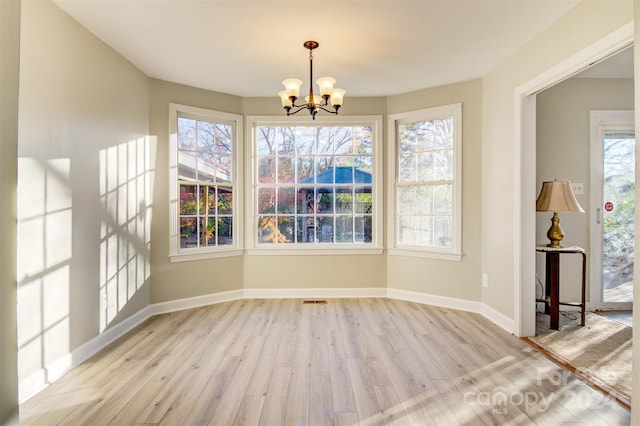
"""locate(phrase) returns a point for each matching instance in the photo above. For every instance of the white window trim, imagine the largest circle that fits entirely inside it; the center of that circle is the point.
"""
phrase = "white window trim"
(236, 249)
(375, 247)
(455, 252)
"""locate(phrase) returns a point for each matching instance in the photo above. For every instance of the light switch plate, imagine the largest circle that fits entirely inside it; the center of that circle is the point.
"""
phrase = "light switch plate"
(578, 188)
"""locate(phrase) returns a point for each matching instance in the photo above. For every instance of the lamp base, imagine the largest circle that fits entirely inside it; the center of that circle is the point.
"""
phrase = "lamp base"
(555, 233)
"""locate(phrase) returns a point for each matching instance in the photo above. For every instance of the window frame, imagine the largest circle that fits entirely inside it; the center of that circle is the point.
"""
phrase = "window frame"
(453, 253)
(376, 244)
(176, 253)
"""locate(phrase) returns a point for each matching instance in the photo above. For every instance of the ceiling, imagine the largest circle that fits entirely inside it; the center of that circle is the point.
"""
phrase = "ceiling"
(372, 48)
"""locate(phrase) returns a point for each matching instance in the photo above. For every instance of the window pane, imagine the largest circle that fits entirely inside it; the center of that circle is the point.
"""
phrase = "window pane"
(225, 236)
(363, 200)
(286, 141)
(325, 229)
(425, 135)
(344, 200)
(325, 140)
(187, 165)
(286, 227)
(362, 143)
(362, 229)
(265, 140)
(223, 138)
(425, 167)
(406, 199)
(407, 138)
(344, 229)
(186, 134)
(205, 137)
(305, 169)
(442, 232)
(223, 168)
(206, 167)
(343, 140)
(304, 140)
(444, 165)
(424, 200)
(406, 232)
(363, 164)
(188, 232)
(286, 200)
(423, 231)
(444, 133)
(325, 201)
(407, 165)
(266, 200)
(267, 230)
(442, 196)
(267, 170)
(188, 199)
(225, 201)
(286, 173)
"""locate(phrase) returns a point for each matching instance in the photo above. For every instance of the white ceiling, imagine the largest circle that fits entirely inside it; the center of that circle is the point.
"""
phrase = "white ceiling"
(372, 48)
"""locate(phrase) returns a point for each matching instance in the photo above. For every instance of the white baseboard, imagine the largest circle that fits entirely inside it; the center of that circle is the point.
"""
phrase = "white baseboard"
(498, 318)
(196, 302)
(430, 299)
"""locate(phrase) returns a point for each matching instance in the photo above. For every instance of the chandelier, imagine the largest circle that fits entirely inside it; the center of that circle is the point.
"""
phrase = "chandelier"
(314, 102)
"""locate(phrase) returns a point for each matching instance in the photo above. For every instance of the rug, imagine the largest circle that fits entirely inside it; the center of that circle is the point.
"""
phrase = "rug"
(599, 352)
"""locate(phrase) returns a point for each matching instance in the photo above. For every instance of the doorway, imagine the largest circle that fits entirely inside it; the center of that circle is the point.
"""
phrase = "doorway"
(613, 209)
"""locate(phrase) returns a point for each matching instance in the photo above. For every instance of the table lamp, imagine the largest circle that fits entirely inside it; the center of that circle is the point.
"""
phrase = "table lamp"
(557, 196)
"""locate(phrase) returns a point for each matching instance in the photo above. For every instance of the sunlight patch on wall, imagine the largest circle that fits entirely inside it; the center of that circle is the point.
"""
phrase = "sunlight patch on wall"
(44, 254)
(126, 183)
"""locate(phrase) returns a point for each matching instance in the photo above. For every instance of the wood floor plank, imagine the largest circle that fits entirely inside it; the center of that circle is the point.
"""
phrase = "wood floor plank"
(347, 362)
(275, 402)
(321, 410)
(369, 412)
(249, 411)
(341, 387)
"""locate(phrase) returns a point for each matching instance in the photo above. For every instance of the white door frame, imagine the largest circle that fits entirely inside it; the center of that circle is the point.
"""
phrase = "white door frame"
(525, 170)
(600, 121)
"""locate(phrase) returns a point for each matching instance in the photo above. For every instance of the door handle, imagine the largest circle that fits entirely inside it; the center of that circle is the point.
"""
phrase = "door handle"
(598, 215)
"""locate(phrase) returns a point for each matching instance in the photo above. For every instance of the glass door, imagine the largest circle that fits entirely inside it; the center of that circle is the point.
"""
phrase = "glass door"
(617, 217)
(612, 213)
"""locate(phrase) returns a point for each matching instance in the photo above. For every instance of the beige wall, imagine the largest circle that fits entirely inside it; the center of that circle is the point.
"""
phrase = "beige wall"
(441, 277)
(563, 152)
(588, 22)
(172, 281)
(84, 180)
(9, 69)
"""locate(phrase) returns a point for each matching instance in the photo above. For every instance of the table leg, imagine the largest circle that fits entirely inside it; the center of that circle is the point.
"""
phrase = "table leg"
(553, 281)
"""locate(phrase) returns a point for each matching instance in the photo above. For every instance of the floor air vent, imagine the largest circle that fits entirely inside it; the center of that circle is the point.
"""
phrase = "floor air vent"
(314, 302)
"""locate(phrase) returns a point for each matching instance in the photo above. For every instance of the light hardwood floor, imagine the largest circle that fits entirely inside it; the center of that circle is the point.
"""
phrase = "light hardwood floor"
(347, 362)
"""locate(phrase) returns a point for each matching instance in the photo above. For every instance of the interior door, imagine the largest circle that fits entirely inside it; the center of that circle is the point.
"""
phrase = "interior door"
(612, 209)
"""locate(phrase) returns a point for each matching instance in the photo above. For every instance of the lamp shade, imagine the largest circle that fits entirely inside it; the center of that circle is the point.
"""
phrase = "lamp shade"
(557, 196)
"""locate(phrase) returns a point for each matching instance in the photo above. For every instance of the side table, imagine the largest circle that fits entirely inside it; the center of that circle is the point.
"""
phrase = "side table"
(552, 281)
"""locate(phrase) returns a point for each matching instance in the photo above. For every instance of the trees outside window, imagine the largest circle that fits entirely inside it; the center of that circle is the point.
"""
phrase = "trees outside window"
(315, 185)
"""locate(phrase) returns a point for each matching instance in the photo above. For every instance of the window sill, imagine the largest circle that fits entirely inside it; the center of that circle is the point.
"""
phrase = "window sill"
(187, 257)
(455, 257)
(304, 251)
